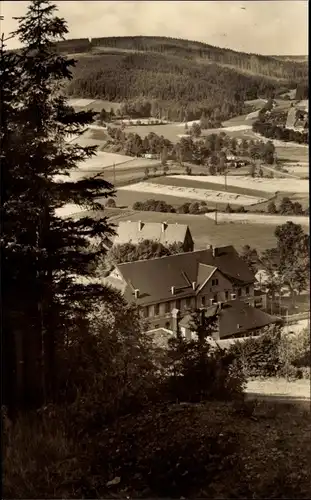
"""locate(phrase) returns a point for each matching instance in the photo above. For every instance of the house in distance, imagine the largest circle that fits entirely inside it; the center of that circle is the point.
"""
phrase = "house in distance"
(162, 232)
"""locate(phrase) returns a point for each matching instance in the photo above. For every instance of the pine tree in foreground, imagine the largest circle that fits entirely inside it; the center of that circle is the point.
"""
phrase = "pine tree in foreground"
(42, 253)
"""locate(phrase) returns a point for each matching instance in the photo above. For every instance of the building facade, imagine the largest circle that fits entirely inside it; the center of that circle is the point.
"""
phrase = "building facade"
(184, 283)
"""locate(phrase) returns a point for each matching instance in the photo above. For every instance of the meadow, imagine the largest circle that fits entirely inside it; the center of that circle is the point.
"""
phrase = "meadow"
(274, 220)
(194, 193)
(260, 184)
(205, 232)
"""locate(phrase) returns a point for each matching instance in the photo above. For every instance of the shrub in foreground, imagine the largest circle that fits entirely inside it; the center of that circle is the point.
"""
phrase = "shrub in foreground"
(259, 356)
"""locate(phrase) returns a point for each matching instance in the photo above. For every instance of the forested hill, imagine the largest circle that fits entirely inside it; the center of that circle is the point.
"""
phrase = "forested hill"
(271, 66)
(177, 73)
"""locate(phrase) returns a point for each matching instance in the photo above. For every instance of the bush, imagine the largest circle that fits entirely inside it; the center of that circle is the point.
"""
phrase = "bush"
(111, 203)
(259, 356)
(294, 352)
(184, 209)
(200, 372)
(154, 206)
(138, 205)
(194, 208)
(272, 208)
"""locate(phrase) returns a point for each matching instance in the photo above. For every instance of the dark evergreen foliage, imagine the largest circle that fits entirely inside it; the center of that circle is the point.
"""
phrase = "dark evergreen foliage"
(42, 253)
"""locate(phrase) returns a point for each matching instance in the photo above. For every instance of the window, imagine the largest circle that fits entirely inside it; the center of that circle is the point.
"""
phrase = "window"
(247, 290)
(167, 325)
(239, 292)
(167, 307)
(226, 295)
(156, 310)
(203, 300)
(215, 298)
(215, 282)
(177, 304)
(150, 311)
(188, 302)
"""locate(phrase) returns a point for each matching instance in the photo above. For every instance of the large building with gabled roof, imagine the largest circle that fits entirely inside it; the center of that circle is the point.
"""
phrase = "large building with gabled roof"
(169, 287)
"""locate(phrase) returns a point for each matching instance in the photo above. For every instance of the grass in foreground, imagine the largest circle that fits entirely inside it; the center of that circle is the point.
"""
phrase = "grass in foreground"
(212, 450)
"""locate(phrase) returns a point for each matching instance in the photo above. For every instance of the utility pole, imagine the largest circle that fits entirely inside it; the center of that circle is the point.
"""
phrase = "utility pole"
(216, 215)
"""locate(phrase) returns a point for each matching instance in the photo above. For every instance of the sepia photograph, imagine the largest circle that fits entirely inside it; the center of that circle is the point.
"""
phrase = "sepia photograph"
(155, 240)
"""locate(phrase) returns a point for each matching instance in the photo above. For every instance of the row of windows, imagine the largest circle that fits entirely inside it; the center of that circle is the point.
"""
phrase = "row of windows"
(151, 311)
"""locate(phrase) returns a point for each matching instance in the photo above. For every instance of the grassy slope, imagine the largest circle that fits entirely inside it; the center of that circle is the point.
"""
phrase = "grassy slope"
(205, 232)
(265, 454)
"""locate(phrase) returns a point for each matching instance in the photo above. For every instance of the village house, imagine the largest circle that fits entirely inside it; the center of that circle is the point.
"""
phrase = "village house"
(162, 232)
(167, 289)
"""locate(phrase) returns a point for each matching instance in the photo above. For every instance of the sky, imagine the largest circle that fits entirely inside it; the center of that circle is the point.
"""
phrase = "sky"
(261, 27)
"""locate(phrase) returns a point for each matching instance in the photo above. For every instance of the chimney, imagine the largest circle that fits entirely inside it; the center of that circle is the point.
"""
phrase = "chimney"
(194, 285)
(172, 290)
(136, 293)
(175, 321)
(140, 225)
(163, 226)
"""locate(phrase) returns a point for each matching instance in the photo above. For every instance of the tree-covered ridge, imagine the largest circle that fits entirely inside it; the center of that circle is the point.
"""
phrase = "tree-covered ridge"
(118, 76)
(174, 83)
(258, 64)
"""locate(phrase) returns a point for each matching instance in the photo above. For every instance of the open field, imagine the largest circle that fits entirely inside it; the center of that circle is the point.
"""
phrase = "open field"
(193, 193)
(205, 232)
(259, 219)
(260, 184)
(204, 182)
(93, 104)
(292, 153)
(302, 170)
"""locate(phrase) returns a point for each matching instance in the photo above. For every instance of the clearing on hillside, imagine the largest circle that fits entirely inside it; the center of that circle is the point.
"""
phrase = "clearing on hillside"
(248, 218)
(194, 193)
(259, 184)
(205, 232)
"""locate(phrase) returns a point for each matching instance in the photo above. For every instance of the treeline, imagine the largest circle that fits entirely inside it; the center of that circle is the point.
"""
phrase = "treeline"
(287, 207)
(265, 65)
(273, 131)
(210, 151)
(192, 208)
(177, 84)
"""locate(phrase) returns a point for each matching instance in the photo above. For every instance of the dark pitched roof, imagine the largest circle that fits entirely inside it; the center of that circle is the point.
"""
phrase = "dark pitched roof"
(134, 232)
(154, 278)
(236, 317)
